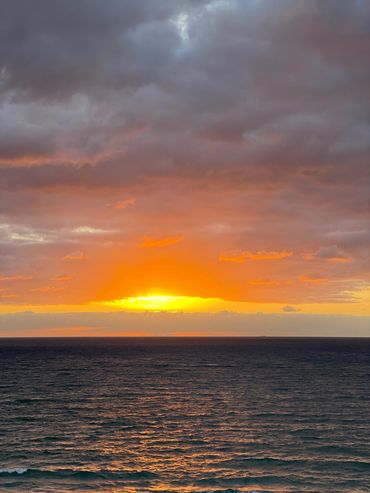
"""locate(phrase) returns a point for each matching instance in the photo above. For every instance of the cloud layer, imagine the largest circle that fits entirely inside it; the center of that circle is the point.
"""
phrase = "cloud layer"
(229, 137)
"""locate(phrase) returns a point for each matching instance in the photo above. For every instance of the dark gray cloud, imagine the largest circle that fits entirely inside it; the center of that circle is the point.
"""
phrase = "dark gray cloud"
(50, 50)
(266, 83)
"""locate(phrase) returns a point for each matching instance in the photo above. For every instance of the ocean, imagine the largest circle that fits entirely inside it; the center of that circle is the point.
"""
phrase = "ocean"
(185, 415)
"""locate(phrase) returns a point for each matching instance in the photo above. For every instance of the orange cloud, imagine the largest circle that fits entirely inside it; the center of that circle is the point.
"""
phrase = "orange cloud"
(122, 204)
(263, 282)
(313, 279)
(7, 295)
(48, 289)
(75, 256)
(237, 257)
(150, 242)
(61, 278)
(242, 256)
(16, 278)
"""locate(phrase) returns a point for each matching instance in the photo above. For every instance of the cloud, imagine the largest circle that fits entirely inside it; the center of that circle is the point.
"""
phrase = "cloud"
(242, 256)
(291, 309)
(121, 323)
(16, 277)
(78, 255)
(331, 253)
(61, 278)
(263, 282)
(237, 257)
(89, 230)
(158, 242)
(123, 30)
(48, 289)
(353, 239)
(22, 234)
(238, 123)
(122, 204)
(313, 279)
(224, 83)
(7, 296)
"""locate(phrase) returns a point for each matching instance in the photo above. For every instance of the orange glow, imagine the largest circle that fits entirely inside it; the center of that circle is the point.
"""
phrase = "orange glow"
(163, 303)
(186, 304)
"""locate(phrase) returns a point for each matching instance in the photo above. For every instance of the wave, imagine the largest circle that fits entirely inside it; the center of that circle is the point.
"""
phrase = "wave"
(13, 470)
(239, 481)
(76, 473)
(268, 463)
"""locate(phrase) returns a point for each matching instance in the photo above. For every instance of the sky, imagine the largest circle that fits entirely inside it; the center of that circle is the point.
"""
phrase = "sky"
(184, 167)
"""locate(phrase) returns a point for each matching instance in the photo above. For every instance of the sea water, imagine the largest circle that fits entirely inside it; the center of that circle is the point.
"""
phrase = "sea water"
(185, 415)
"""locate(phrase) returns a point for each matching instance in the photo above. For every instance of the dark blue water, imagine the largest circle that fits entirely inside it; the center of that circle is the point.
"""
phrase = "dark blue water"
(185, 415)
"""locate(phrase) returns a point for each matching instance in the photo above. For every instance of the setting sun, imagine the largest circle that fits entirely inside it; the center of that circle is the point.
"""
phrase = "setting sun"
(161, 303)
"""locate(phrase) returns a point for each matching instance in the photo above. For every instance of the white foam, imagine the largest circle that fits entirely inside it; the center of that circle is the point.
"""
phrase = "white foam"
(14, 470)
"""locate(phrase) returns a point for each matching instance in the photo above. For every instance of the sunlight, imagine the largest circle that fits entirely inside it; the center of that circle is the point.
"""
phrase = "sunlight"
(159, 303)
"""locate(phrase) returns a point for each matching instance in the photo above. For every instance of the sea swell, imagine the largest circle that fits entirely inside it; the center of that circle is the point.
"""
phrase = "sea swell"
(76, 473)
(245, 416)
(267, 463)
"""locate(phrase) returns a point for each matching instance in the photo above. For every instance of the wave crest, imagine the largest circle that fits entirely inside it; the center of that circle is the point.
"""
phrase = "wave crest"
(76, 473)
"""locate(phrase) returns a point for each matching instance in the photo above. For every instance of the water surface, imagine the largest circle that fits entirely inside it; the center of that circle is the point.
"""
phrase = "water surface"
(185, 415)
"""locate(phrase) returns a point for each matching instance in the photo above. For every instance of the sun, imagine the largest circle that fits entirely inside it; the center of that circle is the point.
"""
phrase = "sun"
(159, 303)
